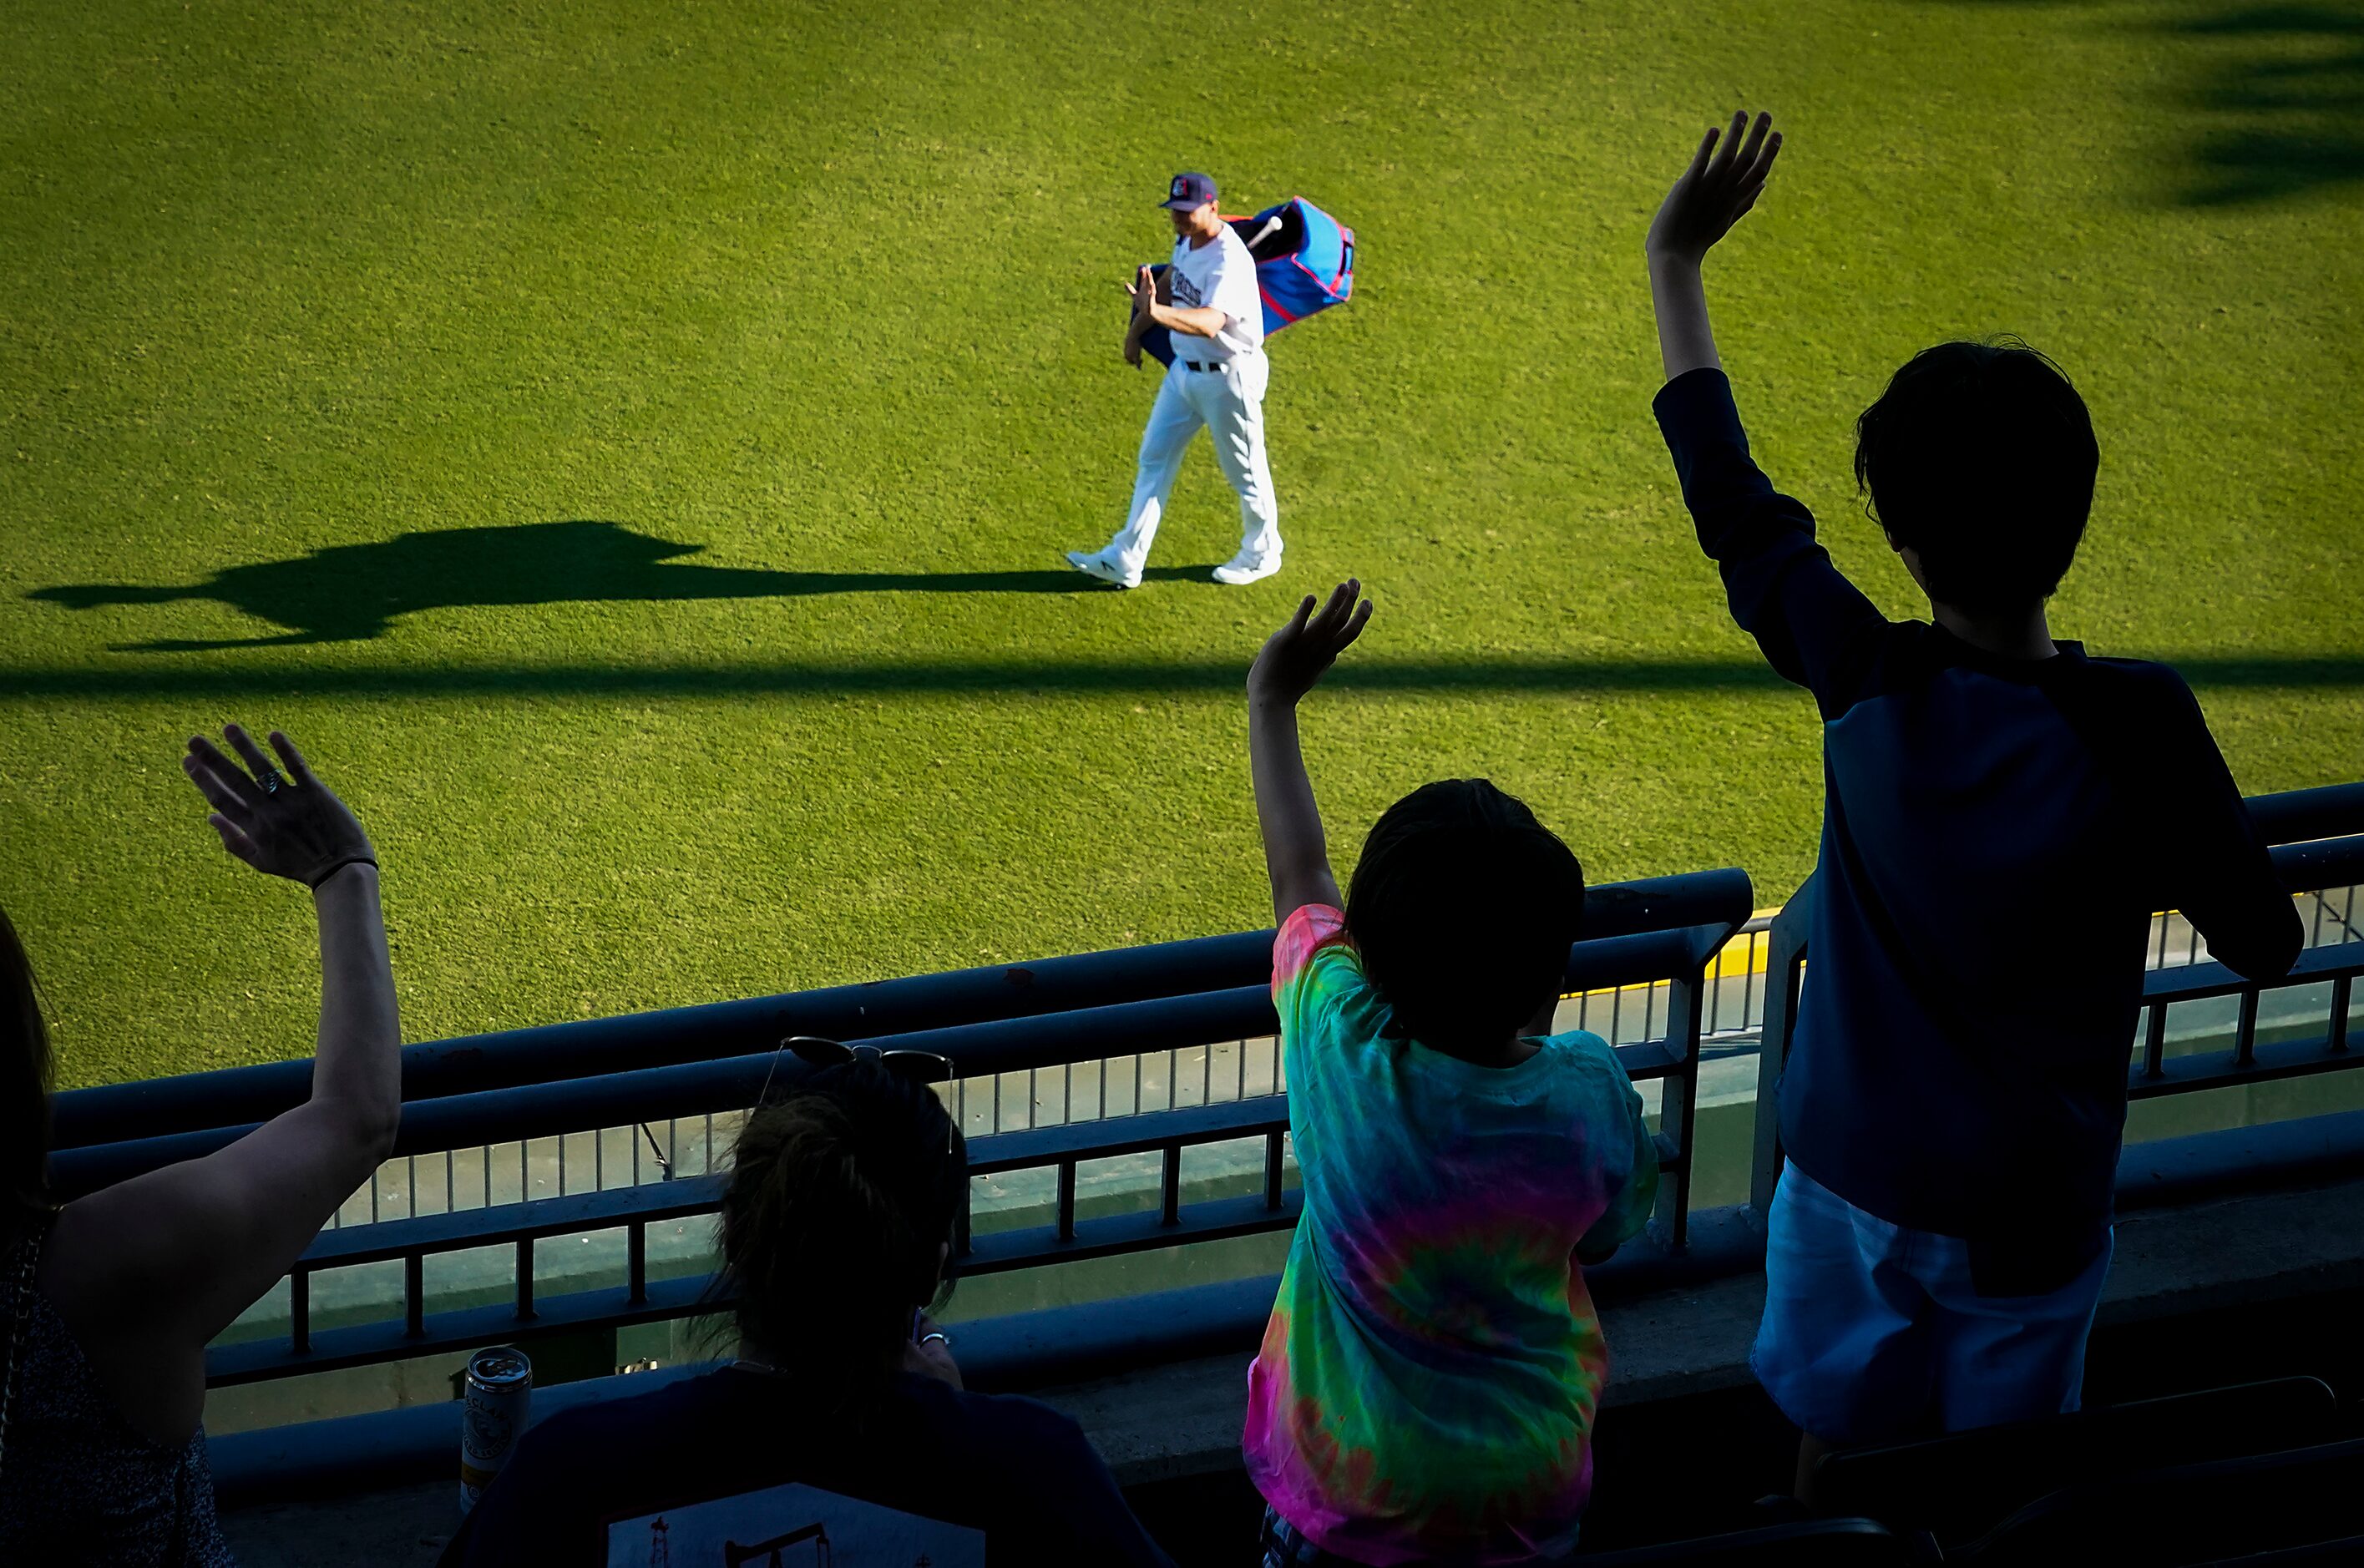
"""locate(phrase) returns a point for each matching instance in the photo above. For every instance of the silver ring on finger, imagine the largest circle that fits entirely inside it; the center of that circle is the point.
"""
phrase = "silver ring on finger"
(270, 779)
(943, 1339)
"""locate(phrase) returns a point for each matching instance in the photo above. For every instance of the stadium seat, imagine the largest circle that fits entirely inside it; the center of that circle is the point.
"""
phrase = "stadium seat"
(1807, 1543)
(1956, 1487)
(2186, 1515)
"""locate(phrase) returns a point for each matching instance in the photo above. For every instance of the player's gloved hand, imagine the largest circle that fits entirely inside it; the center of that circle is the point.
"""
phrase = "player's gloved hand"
(1721, 183)
(287, 825)
(1299, 654)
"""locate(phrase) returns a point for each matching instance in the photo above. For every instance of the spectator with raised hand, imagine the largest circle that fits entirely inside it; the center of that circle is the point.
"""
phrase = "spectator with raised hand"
(107, 1303)
(1427, 1382)
(2002, 813)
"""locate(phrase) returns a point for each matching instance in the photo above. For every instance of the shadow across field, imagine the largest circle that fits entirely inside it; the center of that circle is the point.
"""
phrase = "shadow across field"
(2278, 98)
(1575, 677)
(353, 593)
(2269, 97)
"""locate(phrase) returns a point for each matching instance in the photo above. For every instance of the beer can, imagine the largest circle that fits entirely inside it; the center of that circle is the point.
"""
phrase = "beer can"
(499, 1391)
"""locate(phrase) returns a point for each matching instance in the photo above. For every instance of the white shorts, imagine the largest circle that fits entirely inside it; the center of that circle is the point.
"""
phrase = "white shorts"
(1873, 1333)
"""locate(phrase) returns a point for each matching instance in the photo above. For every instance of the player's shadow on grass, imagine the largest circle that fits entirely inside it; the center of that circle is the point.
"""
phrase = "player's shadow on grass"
(351, 592)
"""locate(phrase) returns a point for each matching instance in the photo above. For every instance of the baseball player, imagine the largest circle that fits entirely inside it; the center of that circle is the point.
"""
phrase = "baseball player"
(1217, 379)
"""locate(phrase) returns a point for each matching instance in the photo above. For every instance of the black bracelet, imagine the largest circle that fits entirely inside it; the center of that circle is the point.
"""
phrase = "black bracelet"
(347, 861)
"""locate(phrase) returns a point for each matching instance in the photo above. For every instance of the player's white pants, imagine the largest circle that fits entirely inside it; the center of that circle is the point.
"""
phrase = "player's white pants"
(1229, 404)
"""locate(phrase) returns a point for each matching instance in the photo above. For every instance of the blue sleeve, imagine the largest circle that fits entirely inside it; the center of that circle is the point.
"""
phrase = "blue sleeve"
(2219, 873)
(1815, 628)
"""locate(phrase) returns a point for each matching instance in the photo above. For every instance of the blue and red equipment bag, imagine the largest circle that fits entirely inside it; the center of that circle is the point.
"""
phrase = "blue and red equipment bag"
(1305, 264)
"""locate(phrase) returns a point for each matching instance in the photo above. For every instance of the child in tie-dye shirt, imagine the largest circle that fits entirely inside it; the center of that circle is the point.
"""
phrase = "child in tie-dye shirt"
(1427, 1384)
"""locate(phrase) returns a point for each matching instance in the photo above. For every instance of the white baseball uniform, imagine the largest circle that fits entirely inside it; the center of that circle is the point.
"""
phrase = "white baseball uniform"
(1216, 381)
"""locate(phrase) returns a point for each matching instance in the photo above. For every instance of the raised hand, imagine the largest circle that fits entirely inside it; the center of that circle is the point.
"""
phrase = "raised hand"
(1299, 654)
(287, 825)
(1723, 183)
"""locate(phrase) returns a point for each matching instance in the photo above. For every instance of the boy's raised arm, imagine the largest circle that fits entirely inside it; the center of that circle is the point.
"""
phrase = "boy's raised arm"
(1294, 658)
(1814, 626)
(1721, 183)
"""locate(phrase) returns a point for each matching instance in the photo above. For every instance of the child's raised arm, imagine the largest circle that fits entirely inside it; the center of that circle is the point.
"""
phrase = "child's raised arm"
(1816, 627)
(1294, 658)
(1719, 186)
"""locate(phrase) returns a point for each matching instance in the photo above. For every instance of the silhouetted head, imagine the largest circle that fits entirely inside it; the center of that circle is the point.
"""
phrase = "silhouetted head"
(843, 1205)
(1980, 459)
(1463, 906)
(24, 1076)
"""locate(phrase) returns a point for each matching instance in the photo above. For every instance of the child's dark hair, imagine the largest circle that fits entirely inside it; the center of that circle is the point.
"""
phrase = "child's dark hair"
(841, 1195)
(1463, 906)
(1981, 457)
(25, 1072)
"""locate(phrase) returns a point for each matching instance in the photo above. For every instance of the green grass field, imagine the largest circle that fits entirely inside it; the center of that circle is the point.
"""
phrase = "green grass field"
(629, 447)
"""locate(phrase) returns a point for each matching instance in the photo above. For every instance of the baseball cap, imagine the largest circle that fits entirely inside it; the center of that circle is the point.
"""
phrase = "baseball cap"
(1189, 190)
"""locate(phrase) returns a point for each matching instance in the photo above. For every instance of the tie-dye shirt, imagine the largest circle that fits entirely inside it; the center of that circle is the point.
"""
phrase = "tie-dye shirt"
(1427, 1384)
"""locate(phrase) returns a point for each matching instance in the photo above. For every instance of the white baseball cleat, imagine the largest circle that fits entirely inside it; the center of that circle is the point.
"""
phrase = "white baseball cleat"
(1096, 564)
(1245, 568)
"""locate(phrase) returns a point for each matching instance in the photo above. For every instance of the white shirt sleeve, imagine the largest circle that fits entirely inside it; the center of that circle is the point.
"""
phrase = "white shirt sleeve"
(1231, 289)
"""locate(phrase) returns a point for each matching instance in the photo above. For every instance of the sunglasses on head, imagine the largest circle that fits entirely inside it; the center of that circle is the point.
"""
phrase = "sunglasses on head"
(923, 1067)
(917, 1066)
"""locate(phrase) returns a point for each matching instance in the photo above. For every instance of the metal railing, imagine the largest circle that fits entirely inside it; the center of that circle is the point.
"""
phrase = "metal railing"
(2316, 840)
(1732, 1006)
(1654, 938)
(1060, 1037)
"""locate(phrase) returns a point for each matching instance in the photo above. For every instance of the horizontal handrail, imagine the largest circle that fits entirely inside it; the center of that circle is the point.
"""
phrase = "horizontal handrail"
(1630, 950)
(2256, 1064)
(2197, 981)
(239, 1097)
(652, 1202)
(1004, 1045)
(2295, 815)
(2325, 863)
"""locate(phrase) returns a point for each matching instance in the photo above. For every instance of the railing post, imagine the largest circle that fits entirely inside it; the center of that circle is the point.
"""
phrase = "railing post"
(1678, 1106)
(1785, 957)
(299, 1311)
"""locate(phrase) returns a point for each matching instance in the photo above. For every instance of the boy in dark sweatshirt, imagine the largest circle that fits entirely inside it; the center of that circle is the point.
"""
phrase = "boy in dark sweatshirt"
(2003, 814)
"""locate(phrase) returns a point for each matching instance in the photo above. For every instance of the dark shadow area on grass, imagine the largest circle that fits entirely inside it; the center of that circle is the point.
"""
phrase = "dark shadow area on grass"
(351, 593)
(2270, 97)
(2281, 104)
(1575, 677)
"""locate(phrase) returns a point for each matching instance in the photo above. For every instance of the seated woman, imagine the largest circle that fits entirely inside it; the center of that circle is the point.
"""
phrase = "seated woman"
(843, 1419)
(107, 1305)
